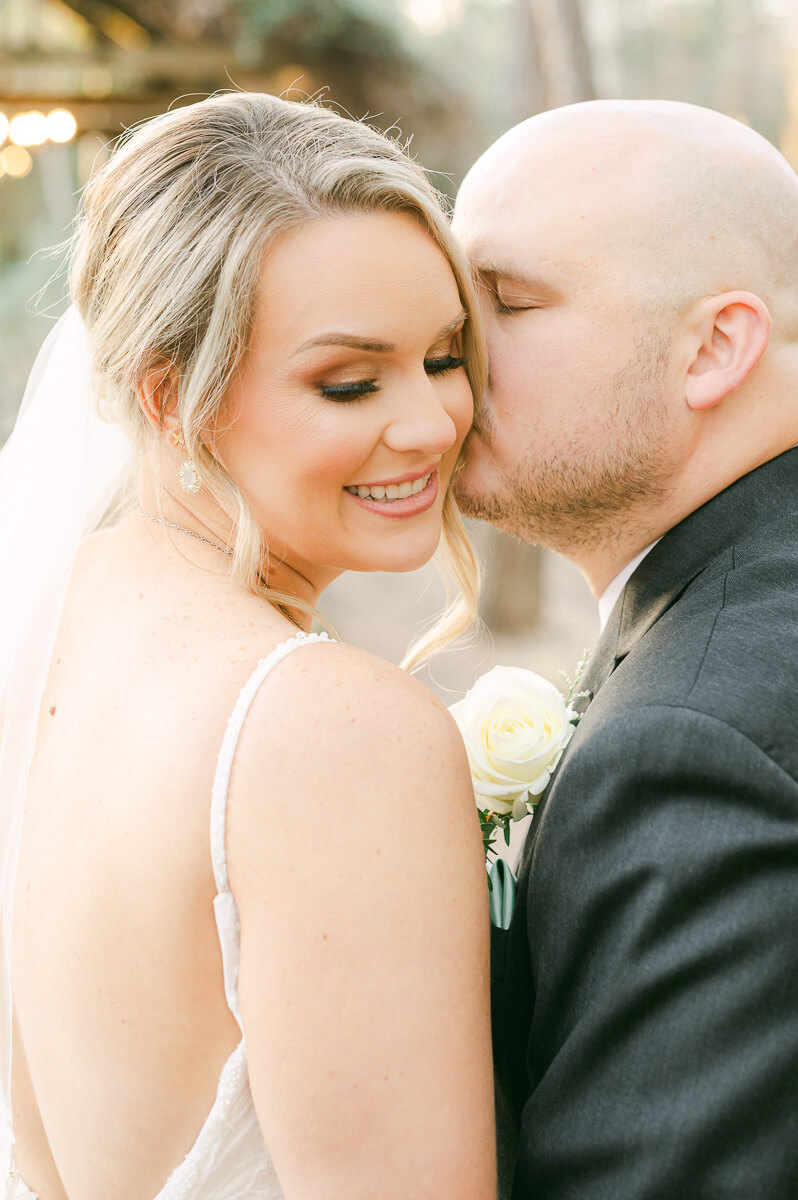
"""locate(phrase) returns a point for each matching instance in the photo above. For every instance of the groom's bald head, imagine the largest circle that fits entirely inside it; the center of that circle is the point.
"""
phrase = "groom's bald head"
(690, 200)
(633, 256)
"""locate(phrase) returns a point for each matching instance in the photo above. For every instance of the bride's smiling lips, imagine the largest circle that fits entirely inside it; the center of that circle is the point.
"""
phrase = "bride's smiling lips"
(421, 488)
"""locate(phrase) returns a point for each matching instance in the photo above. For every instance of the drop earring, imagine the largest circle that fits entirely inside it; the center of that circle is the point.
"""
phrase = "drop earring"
(189, 477)
(188, 474)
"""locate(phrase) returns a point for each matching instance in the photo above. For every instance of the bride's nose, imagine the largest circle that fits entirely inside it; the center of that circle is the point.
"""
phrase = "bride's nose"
(421, 422)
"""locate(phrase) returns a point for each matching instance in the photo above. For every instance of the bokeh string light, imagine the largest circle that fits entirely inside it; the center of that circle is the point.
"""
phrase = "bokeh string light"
(23, 131)
(28, 129)
(61, 125)
(15, 161)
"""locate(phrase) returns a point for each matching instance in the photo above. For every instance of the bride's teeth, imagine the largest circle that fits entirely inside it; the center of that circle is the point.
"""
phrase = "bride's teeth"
(391, 491)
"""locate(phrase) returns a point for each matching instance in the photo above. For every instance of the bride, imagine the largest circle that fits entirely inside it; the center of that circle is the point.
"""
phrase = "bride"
(244, 903)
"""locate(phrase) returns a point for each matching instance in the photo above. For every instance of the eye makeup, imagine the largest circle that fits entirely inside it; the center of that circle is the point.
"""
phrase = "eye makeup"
(358, 389)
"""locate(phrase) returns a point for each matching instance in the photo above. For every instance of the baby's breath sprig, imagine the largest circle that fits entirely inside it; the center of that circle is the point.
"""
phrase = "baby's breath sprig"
(572, 695)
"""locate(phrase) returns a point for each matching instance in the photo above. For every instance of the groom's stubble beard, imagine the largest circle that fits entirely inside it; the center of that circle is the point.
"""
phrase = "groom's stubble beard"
(568, 495)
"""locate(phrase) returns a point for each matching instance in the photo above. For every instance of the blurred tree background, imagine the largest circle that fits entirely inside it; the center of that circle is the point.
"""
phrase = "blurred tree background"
(448, 74)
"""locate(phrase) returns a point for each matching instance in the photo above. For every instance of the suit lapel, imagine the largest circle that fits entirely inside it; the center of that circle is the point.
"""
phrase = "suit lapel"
(602, 661)
(601, 664)
(703, 539)
(757, 501)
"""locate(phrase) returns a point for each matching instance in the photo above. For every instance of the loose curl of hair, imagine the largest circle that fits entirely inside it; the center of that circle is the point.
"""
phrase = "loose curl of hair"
(166, 264)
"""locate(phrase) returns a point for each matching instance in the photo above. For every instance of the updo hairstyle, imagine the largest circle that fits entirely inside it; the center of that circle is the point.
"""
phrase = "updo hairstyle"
(167, 260)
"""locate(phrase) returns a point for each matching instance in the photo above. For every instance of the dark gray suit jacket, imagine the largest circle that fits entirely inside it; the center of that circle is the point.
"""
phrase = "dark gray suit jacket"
(645, 997)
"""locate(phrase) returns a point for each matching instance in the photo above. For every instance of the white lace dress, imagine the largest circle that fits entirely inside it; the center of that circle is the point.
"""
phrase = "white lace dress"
(229, 1160)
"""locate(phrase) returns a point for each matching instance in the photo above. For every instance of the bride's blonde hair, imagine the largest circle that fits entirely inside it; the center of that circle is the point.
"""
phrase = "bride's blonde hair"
(167, 258)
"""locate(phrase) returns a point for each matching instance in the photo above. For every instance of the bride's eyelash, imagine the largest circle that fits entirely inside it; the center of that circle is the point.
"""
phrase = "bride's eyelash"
(348, 391)
(440, 366)
(365, 387)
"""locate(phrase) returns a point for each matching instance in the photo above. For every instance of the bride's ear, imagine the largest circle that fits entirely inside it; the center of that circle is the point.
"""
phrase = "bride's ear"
(730, 333)
(157, 394)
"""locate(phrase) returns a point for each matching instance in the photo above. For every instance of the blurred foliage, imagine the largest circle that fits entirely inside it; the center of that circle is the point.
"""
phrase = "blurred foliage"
(362, 26)
(724, 54)
(366, 58)
(354, 53)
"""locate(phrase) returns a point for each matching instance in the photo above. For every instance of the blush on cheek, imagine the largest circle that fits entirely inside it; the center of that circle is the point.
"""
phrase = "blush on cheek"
(339, 462)
(463, 418)
(341, 449)
(458, 400)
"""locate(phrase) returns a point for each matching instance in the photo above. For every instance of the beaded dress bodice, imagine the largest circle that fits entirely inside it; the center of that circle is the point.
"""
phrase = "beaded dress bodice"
(229, 1159)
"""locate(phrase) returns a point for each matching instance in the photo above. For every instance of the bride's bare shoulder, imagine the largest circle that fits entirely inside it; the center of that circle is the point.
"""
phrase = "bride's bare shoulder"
(336, 694)
(345, 685)
(336, 721)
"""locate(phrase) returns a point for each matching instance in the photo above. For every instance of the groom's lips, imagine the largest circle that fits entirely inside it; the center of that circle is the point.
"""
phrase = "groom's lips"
(408, 507)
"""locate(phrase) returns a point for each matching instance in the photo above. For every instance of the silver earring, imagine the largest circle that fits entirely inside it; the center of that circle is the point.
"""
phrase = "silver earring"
(189, 477)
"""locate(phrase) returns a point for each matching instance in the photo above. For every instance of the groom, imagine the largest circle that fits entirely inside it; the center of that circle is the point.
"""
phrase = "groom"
(639, 264)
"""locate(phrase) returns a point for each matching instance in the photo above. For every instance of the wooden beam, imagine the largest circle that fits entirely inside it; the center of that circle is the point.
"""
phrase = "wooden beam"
(26, 71)
(99, 13)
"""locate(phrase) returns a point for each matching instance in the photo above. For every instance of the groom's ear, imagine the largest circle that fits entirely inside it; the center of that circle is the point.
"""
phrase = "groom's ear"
(729, 334)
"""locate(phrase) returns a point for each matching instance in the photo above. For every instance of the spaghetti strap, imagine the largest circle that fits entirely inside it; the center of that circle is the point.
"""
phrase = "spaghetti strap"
(224, 903)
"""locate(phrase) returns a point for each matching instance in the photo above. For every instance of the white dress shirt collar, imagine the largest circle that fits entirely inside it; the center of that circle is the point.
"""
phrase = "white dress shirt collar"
(612, 593)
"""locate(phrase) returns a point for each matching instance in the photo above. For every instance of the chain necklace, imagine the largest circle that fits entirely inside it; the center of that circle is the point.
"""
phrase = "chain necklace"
(182, 529)
(224, 549)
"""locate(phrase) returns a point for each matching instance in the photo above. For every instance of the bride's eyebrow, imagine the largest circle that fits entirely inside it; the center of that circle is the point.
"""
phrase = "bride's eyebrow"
(373, 345)
(347, 339)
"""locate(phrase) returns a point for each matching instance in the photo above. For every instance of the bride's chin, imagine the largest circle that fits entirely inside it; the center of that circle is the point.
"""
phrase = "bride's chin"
(408, 565)
(401, 559)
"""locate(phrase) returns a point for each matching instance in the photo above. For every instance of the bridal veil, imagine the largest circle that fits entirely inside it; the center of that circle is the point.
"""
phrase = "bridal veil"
(59, 471)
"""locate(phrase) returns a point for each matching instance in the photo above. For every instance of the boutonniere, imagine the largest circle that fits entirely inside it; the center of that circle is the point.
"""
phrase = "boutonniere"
(516, 726)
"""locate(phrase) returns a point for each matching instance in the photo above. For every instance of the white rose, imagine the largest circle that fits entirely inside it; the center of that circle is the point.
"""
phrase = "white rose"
(515, 726)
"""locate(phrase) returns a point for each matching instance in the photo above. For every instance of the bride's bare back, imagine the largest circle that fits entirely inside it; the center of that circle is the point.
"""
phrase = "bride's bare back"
(121, 1013)
(362, 955)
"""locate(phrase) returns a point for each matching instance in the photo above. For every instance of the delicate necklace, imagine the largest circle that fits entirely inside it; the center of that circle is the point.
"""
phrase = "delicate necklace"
(224, 549)
(182, 529)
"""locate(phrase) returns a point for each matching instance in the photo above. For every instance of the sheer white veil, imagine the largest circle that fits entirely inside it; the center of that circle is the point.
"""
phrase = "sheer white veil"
(59, 472)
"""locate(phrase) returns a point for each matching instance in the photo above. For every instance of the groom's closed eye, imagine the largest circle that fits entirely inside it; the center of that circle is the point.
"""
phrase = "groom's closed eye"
(507, 304)
(513, 293)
